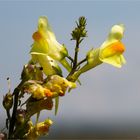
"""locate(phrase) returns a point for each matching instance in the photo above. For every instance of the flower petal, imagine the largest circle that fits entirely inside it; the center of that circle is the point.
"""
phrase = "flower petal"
(48, 64)
(112, 54)
(112, 49)
(116, 32)
(115, 60)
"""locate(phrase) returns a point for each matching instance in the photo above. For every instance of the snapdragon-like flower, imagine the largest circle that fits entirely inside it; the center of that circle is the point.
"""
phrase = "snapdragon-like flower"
(45, 49)
(39, 129)
(111, 52)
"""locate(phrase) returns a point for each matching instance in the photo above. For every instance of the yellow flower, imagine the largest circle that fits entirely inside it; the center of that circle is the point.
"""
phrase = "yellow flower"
(42, 128)
(47, 42)
(111, 51)
(45, 49)
(59, 84)
(38, 91)
(39, 129)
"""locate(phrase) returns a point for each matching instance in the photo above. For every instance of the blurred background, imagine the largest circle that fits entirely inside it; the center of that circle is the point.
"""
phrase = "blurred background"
(107, 104)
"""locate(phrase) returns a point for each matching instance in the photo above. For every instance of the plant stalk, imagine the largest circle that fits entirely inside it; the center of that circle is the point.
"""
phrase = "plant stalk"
(13, 118)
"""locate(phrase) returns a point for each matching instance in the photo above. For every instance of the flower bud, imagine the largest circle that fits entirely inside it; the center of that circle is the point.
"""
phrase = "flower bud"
(80, 30)
(41, 128)
(21, 113)
(20, 119)
(8, 101)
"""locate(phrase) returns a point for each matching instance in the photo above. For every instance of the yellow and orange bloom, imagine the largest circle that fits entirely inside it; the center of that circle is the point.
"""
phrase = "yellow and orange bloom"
(111, 52)
(46, 42)
(46, 50)
(58, 84)
(39, 129)
(42, 128)
(38, 91)
(55, 86)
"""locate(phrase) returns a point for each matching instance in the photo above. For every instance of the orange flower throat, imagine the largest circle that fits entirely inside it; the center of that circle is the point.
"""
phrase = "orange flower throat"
(36, 36)
(117, 47)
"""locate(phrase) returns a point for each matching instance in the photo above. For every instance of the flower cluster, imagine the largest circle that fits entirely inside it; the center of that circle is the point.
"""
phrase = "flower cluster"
(43, 80)
(53, 86)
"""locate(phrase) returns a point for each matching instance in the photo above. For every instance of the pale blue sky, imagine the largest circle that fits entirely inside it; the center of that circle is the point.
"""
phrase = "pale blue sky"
(107, 94)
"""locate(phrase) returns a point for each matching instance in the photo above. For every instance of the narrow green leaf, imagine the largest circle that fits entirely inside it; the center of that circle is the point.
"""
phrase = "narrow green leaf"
(56, 104)
(37, 117)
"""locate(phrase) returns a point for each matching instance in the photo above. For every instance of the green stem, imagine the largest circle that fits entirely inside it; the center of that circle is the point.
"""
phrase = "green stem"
(75, 58)
(70, 58)
(37, 117)
(86, 68)
(76, 54)
(84, 60)
(13, 118)
(8, 114)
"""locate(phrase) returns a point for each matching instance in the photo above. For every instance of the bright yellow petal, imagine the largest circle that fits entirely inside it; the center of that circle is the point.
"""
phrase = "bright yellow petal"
(48, 64)
(123, 59)
(115, 60)
(36, 48)
(45, 41)
(44, 26)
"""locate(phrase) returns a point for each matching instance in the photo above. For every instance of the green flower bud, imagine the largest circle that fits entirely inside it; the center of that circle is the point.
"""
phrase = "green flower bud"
(8, 101)
(82, 21)
(80, 30)
(20, 119)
